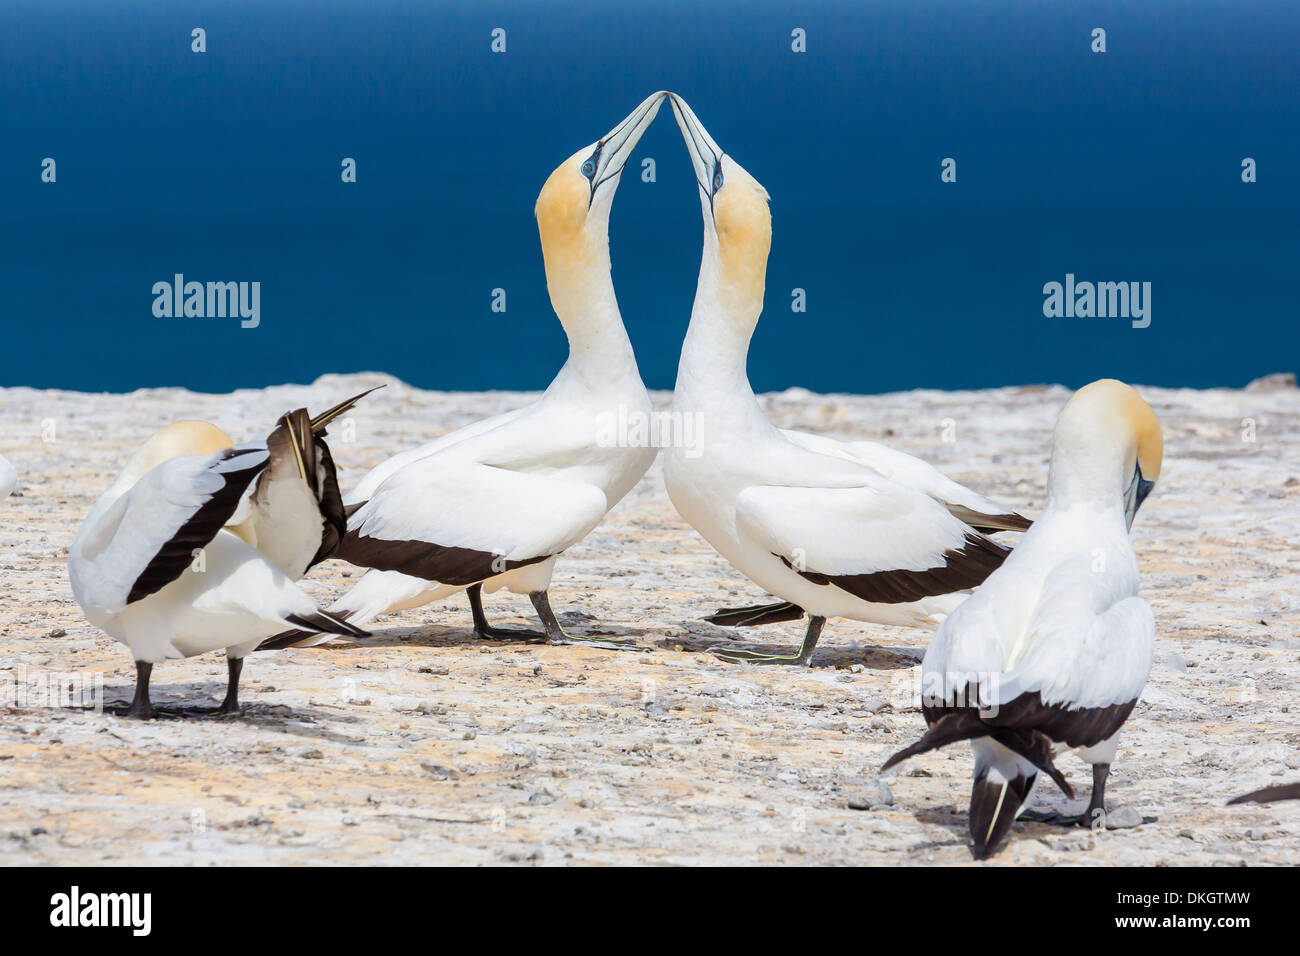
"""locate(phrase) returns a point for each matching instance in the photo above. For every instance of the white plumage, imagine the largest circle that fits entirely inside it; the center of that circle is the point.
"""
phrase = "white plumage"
(1054, 650)
(836, 529)
(8, 478)
(492, 505)
(196, 545)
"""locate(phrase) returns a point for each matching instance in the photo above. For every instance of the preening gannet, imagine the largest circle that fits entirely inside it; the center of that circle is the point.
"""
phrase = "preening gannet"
(1053, 651)
(836, 529)
(197, 544)
(8, 478)
(493, 504)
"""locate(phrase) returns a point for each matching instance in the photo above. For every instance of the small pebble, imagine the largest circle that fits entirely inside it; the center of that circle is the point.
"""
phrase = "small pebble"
(874, 796)
(1121, 818)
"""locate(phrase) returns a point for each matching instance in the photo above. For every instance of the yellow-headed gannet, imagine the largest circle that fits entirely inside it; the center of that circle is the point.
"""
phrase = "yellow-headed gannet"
(836, 529)
(196, 545)
(1053, 651)
(493, 504)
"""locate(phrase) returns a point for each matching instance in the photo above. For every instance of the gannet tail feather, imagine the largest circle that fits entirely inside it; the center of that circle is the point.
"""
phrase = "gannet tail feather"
(995, 801)
(331, 506)
(311, 625)
(990, 523)
(324, 418)
(1030, 745)
(756, 614)
(948, 729)
(1286, 791)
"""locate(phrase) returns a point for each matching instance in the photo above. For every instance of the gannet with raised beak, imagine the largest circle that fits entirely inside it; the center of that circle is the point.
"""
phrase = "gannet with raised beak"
(492, 505)
(1053, 651)
(835, 529)
(197, 544)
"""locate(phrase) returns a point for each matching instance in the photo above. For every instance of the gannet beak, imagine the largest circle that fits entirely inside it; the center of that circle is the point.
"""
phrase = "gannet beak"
(1136, 493)
(706, 155)
(615, 147)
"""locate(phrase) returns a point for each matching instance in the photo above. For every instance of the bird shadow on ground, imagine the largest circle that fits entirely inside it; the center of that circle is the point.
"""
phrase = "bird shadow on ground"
(949, 818)
(745, 639)
(301, 721)
(442, 635)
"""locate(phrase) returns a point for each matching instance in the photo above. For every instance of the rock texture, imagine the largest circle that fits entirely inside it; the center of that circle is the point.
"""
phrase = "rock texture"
(423, 745)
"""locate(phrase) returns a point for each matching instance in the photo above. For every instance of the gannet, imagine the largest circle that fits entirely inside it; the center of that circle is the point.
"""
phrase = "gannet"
(836, 529)
(492, 505)
(8, 478)
(197, 544)
(1056, 646)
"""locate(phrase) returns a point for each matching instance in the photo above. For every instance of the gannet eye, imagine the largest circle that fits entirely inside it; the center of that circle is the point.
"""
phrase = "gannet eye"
(717, 180)
(589, 168)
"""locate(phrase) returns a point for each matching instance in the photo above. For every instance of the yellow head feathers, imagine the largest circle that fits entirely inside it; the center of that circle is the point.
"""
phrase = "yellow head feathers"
(744, 228)
(187, 437)
(1121, 407)
(561, 211)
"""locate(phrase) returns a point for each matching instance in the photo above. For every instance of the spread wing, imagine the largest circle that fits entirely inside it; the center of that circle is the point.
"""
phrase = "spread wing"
(148, 536)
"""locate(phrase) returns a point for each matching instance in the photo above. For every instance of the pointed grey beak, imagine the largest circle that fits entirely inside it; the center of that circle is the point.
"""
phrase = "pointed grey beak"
(615, 147)
(706, 155)
(1136, 493)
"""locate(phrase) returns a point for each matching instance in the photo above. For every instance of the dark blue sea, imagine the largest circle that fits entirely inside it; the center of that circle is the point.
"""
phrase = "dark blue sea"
(1121, 166)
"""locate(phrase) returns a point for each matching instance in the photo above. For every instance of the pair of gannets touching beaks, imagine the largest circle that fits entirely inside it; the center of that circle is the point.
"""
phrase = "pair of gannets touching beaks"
(197, 544)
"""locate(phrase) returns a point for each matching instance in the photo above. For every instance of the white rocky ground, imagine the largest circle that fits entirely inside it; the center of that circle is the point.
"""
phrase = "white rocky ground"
(423, 745)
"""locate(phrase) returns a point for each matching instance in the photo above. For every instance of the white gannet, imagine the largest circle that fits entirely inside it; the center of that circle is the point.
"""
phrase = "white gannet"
(835, 529)
(8, 478)
(1053, 651)
(197, 544)
(492, 505)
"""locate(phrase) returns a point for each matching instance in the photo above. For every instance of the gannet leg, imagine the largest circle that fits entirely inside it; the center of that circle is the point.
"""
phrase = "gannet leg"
(141, 706)
(486, 631)
(234, 667)
(1093, 818)
(556, 634)
(802, 656)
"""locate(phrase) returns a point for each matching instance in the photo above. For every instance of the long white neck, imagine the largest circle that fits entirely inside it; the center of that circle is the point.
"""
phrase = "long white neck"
(601, 360)
(712, 373)
(1087, 468)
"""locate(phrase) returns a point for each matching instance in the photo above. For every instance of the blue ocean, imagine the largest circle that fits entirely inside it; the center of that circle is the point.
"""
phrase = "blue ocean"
(1127, 165)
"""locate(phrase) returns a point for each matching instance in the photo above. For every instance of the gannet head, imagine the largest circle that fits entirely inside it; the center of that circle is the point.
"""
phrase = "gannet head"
(187, 437)
(737, 222)
(1107, 445)
(573, 206)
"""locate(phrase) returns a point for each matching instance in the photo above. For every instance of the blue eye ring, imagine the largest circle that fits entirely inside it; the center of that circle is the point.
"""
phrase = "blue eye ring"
(588, 169)
(717, 180)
